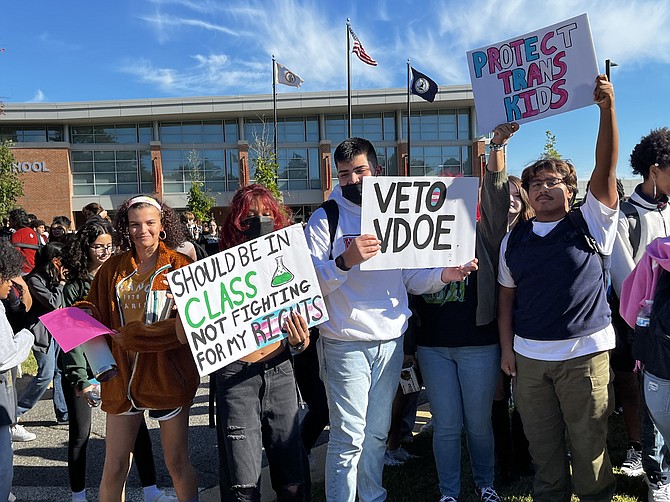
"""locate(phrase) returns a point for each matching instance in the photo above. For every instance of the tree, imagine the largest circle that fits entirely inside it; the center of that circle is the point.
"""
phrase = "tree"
(265, 162)
(11, 186)
(550, 151)
(200, 201)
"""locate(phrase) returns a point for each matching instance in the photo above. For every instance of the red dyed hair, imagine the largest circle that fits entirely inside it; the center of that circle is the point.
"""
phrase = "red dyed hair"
(232, 232)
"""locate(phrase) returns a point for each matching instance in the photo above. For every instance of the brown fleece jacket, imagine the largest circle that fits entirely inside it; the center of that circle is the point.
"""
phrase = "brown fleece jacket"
(156, 371)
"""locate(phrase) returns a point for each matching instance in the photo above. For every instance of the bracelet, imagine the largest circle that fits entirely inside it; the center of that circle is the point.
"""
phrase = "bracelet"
(496, 146)
(298, 347)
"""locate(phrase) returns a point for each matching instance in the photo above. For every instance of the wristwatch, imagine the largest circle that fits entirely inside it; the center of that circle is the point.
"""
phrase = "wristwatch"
(339, 263)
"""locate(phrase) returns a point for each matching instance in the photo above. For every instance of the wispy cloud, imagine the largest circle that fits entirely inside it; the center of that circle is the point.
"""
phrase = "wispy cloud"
(39, 97)
(309, 37)
(211, 74)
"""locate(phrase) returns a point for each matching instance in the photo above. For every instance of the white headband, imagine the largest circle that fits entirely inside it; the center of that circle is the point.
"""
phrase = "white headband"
(143, 199)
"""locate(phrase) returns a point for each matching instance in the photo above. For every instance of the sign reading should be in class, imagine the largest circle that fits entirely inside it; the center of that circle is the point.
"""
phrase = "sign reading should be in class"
(421, 222)
(237, 301)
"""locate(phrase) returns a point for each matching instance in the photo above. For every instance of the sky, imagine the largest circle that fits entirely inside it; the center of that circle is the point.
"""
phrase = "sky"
(135, 49)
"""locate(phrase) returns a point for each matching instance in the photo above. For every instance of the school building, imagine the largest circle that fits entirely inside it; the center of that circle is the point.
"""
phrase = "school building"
(71, 154)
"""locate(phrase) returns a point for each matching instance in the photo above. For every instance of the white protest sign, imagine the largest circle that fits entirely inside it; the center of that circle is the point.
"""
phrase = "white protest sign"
(543, 73)
(422, 221)
(236, 301)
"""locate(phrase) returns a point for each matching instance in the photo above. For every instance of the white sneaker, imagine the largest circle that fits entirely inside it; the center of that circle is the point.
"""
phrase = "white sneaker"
(391, 461)
(401, 454)
(164, 497)
(21, 435)
(659, 492)
(446, 498)
(632, 466)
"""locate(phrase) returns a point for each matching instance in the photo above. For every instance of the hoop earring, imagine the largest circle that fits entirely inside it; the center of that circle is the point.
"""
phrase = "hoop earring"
(654, 193)
(162, 237)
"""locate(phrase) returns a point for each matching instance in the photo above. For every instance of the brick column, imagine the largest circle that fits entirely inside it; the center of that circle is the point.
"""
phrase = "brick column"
(243, 162)
(478, 158)
(157, 167)
(326, 171)
(403, 158)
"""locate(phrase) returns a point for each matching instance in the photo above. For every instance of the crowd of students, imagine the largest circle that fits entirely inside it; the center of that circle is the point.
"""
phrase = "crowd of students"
(531, 310)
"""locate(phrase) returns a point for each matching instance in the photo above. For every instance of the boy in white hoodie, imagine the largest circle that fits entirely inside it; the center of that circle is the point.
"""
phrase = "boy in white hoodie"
(360, 348)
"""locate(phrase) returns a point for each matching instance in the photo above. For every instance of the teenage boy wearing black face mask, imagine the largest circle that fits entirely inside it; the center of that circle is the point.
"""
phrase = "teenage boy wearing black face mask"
(360, 347)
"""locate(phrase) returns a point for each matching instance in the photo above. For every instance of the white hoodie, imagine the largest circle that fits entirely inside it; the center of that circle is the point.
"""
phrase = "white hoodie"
(362, 305)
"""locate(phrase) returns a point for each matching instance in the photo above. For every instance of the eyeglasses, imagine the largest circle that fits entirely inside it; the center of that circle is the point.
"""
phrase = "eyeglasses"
(100, 249)
(548, 183)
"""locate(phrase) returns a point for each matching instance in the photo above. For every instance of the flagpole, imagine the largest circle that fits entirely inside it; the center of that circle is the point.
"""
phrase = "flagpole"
(274, 103)
(409, 121)
(348, 80)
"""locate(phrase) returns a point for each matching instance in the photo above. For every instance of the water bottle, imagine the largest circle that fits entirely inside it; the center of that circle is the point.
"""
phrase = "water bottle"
(94, 393)
(641, 336)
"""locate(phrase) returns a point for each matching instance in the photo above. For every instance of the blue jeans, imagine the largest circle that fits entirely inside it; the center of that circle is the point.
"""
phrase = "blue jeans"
(256, 408)
(657, 400)
(655, 453)
(6, 462)
(47, 370)
(461, 382)
(361, 378)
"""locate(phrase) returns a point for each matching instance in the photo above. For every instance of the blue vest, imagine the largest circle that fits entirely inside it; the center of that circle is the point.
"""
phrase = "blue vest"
(560, 282)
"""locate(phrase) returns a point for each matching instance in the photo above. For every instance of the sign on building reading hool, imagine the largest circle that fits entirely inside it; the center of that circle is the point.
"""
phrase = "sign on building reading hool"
(237, 301)
(421, 221)
(532, 76)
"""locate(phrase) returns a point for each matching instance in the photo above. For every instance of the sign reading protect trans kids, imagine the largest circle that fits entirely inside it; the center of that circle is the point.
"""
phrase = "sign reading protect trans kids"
(537, 75)
(237, 301)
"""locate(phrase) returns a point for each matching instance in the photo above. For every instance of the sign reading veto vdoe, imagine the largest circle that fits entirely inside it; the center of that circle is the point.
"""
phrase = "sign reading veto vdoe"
(237, 301)
(421, 222)
(544, 73)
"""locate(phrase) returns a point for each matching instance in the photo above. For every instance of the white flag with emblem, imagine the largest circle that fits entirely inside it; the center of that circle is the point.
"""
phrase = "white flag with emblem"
(287, 77)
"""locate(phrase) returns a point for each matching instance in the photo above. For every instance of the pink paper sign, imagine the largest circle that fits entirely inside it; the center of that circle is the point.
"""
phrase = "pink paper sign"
(72, 326)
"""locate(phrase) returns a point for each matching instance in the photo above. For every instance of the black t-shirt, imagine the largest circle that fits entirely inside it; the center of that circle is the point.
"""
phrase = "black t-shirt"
(448, 318)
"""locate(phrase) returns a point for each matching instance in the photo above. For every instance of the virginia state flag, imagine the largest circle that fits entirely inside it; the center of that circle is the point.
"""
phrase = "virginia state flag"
(287, 77)
(423, 86)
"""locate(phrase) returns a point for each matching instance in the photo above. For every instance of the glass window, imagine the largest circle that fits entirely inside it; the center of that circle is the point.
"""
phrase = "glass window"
(199, 132)
(111, 134)
(464, 124)
(31, 134)
(104, 172)
(437, 125)
(218, 169)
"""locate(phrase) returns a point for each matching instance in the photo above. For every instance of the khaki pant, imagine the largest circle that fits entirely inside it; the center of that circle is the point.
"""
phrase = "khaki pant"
(573, 396)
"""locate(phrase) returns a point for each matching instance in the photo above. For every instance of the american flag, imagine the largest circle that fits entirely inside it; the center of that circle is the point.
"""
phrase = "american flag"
(360, 51)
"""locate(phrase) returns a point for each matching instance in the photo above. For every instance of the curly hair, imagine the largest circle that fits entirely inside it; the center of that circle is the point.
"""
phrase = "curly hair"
(174, 234)
(76, 257)
(527, 211)
(232, 231)
(11, 261)
(561, 167)
(654, 148)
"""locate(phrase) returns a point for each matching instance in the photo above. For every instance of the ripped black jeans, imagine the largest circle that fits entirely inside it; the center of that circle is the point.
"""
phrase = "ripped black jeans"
(256, 407)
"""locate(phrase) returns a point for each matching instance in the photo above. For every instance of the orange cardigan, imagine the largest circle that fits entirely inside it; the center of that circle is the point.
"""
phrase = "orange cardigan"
(156, 371)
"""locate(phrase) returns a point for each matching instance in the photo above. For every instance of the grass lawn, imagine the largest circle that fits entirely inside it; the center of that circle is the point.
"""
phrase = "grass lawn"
(29, 366)
(416, 481)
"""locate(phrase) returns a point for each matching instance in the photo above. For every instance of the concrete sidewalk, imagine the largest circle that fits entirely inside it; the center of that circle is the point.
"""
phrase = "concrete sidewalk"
(40, 466)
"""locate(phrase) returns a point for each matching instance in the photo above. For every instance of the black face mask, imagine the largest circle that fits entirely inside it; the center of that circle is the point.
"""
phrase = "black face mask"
(353, 193)
(258, 226)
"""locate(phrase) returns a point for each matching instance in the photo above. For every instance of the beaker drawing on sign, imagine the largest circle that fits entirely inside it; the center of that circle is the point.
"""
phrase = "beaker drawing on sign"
(282, 275)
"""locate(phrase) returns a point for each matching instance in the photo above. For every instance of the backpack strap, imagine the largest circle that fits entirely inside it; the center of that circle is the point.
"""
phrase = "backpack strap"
(634, 232)
(333, 214)
(576, 219)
